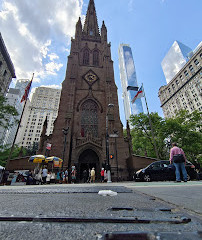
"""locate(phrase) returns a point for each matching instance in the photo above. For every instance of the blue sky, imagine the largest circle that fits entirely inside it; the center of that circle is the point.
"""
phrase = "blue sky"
(37, 34)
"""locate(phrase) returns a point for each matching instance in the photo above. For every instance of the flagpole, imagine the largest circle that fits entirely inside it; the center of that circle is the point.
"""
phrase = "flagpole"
(13, 144)
(150, 123)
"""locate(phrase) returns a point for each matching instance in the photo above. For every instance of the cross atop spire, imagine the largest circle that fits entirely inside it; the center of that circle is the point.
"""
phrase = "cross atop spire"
(91, 26)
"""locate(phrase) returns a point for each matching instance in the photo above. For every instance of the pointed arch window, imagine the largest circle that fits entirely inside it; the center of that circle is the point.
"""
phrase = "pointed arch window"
(86, 57)
(89, 118)
(95, 58)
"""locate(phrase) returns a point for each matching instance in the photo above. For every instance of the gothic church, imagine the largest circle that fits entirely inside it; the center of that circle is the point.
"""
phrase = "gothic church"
(88, 98)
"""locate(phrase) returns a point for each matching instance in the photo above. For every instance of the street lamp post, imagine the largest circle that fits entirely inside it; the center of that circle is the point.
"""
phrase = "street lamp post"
(107, 146)
(117, 166)
(65, 132)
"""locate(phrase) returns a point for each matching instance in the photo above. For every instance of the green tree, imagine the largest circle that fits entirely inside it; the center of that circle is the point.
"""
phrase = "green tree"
(185, 129)
(16, 152)
(143, 142)
(6, 111)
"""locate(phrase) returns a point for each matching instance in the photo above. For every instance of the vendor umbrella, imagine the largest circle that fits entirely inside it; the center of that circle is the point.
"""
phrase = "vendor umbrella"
(56, 161)
(53, 158)
(37, 159)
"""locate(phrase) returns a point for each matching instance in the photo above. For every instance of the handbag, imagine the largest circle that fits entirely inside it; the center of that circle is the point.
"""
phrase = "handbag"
(178, 158)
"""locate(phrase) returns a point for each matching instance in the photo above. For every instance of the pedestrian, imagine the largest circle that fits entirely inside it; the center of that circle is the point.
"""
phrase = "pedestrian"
(178, 158)
(61, 176)
(66, 176)
(92, 174)
(48, 178)
(105, 176)
(53, 180)
(44, 175)
(5, 177)
(89, 176)
(29, 178)
(85, 176)
(38, 175)
(197, 168)
(58, 177)
(102, 173)
(73, 174)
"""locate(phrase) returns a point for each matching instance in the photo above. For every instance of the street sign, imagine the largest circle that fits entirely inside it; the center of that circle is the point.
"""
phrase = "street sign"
(48, 146)
(113, 135)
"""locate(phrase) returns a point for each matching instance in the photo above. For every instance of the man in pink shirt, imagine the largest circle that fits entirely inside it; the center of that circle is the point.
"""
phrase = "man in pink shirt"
(179, 166)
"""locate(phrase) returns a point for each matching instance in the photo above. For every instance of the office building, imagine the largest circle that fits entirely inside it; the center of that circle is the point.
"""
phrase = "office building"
(177, 56)
(128, 80)
(184, 91)
(13, 98)
(44, 103)
(7, 71)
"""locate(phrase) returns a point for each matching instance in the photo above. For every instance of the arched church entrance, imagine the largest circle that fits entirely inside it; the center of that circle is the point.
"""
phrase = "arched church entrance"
(87, 160)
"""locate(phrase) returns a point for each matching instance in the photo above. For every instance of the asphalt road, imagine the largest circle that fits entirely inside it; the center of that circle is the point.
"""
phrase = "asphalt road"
(186, 195)
(137, 207)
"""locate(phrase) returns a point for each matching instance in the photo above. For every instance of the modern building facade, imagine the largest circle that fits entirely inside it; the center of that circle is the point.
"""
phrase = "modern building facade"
(7, 71)
(128, 79)
(89, 112)
(13, 98)
(175, 59)
(184, 91)
(44, 103)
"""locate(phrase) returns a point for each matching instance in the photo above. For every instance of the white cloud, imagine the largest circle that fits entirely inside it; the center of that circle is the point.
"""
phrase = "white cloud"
(52, 86)
(53, 56)
(33, 30)
(52, 67)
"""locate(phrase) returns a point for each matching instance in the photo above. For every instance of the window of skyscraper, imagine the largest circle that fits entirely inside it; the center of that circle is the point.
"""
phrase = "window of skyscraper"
(196, 61)
(186, 73)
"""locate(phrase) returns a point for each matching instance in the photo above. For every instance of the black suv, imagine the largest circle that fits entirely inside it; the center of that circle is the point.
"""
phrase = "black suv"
(162, 171)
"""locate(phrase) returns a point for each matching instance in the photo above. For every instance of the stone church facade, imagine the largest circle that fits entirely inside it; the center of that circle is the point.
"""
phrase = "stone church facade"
(88, 91)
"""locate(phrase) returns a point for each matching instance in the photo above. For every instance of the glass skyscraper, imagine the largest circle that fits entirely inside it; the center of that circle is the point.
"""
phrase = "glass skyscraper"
(177, 56)
(128, 79)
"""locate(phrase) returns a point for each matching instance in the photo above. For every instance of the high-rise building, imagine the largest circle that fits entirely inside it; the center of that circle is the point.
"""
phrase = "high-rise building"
(177, 56)
(21, 84)
(44, 103)
(13, 98)
(184, 91)
(89, 109)
(7, 71)
(128, 80)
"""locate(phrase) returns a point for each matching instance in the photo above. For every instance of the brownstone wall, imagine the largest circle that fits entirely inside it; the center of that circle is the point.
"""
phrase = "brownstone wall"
(20, 164)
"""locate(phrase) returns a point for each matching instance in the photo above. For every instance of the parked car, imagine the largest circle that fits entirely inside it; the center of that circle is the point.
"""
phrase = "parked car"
(162, 171)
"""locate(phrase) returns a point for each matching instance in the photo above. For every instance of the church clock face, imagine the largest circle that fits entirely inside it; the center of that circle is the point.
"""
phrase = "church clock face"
(90, 77)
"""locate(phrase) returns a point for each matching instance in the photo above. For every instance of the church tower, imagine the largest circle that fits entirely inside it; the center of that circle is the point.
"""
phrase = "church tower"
(88, 101)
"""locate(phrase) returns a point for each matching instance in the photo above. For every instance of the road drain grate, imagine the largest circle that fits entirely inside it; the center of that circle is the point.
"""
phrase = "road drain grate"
(151, 236)
(165, 209)
(121, 208)
(93, 220)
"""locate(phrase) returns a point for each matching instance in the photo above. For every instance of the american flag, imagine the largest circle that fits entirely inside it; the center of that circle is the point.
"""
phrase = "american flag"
(139, 94)
(27, 89)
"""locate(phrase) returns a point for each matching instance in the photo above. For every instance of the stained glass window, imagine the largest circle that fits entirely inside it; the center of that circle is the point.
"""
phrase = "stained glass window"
(86, 57)
(95, 58)
(89, 118)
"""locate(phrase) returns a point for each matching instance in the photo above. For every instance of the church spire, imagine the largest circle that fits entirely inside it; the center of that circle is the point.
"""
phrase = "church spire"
(91, 26)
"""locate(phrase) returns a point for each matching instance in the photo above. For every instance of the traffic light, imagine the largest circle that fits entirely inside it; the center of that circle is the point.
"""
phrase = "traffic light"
(111, 156)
